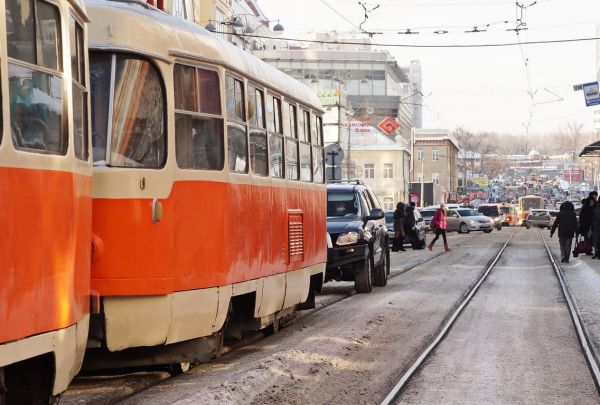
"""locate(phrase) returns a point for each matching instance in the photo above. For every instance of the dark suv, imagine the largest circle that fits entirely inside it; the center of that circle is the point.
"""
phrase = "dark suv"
(358, 242)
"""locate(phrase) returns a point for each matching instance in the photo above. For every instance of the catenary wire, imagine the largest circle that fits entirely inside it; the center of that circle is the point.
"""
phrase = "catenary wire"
(398, 45)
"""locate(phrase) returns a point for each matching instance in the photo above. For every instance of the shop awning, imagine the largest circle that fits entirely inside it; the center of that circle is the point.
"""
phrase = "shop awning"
(591, 150)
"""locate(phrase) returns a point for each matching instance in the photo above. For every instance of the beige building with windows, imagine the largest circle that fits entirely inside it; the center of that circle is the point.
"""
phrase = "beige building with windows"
(383, 164)
(435, 153)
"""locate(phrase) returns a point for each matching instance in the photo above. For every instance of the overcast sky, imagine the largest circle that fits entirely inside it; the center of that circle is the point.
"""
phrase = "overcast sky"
(480, 89)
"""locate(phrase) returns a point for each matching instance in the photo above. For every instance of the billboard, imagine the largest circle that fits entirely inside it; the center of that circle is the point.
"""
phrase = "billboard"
(573, 175)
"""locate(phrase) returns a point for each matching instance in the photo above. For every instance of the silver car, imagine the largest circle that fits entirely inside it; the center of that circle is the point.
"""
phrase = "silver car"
(465, 220)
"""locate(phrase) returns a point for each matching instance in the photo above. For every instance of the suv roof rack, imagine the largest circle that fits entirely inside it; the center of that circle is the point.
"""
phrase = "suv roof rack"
(345, 182)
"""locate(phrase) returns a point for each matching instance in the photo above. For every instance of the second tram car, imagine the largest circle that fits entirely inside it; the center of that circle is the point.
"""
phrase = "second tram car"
(209, 198)
(46, 204)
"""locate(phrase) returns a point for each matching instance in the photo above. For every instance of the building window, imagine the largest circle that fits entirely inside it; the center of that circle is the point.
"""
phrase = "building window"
(388, 171)
(420, 177)
(435, 177)
(420, 155)
(435, 155)
(388, 203)
(369, 171)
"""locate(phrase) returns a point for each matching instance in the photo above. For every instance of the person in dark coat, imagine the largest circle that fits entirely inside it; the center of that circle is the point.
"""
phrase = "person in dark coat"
(596, 231)
(586, 217)
(410, 227)
(566, 222)
(399, 234)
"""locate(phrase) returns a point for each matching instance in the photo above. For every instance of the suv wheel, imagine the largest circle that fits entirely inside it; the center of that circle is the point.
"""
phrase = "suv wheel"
(362, 275)
(380, 274)
(463, 228)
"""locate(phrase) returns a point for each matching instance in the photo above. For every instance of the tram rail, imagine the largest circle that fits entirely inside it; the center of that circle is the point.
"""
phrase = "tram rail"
(590, 355)
(416, 365)
(145, 383)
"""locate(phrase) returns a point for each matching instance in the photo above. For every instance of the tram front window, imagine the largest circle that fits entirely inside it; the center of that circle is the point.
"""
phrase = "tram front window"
(137, 137)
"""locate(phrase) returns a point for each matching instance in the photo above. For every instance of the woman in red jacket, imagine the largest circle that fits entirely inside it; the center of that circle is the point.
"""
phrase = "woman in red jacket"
(438, 223)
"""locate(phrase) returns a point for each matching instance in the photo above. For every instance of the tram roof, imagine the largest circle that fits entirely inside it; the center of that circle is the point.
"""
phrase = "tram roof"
(161, 34)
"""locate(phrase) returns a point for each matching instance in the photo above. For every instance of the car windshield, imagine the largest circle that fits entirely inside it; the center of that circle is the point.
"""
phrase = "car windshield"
(427, 214)
(505, 210)
(340, 204)
(468, 213)
(538, 213)
(489, 211)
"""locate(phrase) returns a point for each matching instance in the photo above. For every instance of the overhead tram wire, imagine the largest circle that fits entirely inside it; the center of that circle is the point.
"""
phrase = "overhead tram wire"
(340, 14)
(397, 45)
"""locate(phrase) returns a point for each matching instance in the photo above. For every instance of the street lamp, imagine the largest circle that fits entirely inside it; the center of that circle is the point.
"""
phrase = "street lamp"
(237, 22)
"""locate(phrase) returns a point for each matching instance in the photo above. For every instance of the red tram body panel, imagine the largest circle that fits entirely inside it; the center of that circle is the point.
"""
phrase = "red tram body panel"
(238, 233)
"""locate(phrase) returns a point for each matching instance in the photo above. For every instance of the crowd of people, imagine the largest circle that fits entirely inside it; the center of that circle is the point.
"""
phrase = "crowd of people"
(405, 227)
(588, 228)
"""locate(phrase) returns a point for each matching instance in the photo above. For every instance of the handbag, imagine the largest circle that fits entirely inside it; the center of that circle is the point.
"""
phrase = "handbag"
(576, 250)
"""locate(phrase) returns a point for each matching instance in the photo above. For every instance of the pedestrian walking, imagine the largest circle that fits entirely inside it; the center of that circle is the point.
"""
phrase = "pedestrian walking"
(399, 235)
(438, 224)
(586, 217)
(566, 222)
(410, 227)
(596, 231)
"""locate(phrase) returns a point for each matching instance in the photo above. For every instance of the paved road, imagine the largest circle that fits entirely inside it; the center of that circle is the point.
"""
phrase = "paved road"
(346, 353)
(514, 343)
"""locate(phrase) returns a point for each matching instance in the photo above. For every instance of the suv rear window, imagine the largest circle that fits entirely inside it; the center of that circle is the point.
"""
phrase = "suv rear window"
(340, 204)
(489, 210)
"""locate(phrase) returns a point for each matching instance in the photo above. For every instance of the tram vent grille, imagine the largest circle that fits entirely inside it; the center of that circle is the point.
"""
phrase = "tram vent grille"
(296, 237)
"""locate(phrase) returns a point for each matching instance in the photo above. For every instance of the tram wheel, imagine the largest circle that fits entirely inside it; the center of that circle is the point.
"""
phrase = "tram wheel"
(178, 368)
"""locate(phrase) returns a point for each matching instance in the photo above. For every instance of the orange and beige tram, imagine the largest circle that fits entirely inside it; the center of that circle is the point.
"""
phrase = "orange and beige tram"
(45, 198)
(209, 197)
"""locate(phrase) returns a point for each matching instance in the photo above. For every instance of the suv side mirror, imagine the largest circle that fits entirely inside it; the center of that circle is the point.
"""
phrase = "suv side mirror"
(376, 213)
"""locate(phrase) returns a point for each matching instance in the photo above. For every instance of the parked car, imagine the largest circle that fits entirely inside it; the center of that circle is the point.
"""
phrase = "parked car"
(465, 220)
(492, 211)
(427, 214)
(359, 249)
(420, 224)
(541, 218)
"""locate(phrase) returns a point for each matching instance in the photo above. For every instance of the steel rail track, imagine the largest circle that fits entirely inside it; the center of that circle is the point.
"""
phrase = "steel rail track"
(591, 356)
(395, 392)
(253, 338)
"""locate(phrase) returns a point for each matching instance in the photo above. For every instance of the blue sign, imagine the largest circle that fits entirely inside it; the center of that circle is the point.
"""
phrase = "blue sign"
(591, 94)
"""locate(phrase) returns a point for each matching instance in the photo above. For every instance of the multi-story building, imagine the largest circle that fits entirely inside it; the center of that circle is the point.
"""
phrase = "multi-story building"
(435, 158)
(413, 94)
(383, 164)
(353, 77)
(229, 19)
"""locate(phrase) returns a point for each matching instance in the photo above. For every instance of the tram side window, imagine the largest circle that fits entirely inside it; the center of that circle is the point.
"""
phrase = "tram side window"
(80, 95)
(306, 169)
(276, 165)
(318, 164)
(291, 144)
(319, 133)
(138, 137)
(237, 142)
(258, 137)
(35, 96)
(198, 124)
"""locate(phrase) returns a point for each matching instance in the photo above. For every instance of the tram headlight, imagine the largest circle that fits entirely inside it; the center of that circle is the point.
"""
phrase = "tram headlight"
(347, 238)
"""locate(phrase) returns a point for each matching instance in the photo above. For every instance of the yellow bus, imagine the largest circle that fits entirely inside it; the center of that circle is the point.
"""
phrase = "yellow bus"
(528, 203)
